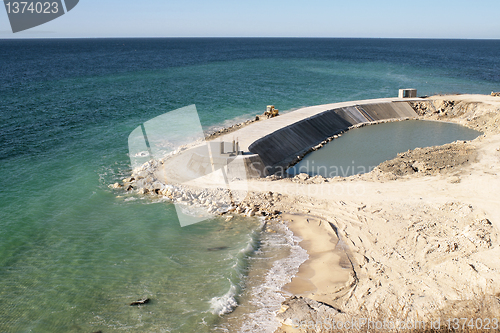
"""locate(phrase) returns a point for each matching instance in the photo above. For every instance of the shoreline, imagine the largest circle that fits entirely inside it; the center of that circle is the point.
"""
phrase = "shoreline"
(406, 266)
(325, 248)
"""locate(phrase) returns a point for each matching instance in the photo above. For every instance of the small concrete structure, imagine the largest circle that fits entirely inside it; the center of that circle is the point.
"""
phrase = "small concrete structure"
(407, 93)
(229, 148)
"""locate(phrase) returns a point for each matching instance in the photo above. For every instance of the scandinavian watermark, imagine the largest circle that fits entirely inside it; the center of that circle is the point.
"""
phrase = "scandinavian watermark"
(331, 171)
(356, 324)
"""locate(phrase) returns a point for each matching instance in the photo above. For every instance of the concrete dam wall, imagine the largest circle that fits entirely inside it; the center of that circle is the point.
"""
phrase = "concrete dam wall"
(281, 147)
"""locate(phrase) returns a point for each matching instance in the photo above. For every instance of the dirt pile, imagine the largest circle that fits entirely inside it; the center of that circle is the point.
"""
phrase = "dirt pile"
(431, 160)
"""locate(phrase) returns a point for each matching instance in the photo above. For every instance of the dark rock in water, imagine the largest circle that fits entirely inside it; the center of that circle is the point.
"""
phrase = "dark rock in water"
(141, 301)
(218, 248)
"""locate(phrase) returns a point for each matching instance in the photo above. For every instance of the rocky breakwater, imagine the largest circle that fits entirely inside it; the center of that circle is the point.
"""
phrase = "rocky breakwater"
(186, 163)
(215, 201)
(229, 129)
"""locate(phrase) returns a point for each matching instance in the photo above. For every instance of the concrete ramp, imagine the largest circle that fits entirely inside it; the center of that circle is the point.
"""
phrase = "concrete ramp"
(381, 111)
(404, 109)
(393, 110)
(351, 114)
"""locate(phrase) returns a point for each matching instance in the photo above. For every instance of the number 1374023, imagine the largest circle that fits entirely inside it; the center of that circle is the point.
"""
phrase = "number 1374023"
(32, 7)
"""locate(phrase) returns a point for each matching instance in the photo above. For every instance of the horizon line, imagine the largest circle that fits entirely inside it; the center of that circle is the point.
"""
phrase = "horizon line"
(243, 37)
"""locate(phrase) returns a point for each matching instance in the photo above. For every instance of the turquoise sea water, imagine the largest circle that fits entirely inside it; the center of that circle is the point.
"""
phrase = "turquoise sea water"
(74, 253)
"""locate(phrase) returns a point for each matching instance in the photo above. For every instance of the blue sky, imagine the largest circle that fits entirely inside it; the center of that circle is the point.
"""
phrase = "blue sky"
(271, 18)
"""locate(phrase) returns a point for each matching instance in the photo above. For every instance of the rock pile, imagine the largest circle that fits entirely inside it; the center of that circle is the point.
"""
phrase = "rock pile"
(216, 201)
(229, 129)
(304, 178)
(440, 107)
(235, 127)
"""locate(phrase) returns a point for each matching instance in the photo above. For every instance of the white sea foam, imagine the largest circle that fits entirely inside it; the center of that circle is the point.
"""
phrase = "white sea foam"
(226, 303)
(230, 122)
(268, 296)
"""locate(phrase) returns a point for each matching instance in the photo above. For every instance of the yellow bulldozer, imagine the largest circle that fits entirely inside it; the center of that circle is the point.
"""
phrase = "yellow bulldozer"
(271, 111)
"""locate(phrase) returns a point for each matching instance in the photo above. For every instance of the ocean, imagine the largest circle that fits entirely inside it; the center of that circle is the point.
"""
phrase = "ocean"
(74, 253)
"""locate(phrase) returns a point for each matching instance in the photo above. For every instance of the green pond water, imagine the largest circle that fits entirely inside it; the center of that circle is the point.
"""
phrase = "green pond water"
(360, 150)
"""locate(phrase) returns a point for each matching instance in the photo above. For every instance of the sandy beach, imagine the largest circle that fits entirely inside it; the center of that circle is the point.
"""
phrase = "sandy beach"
(414, 239)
